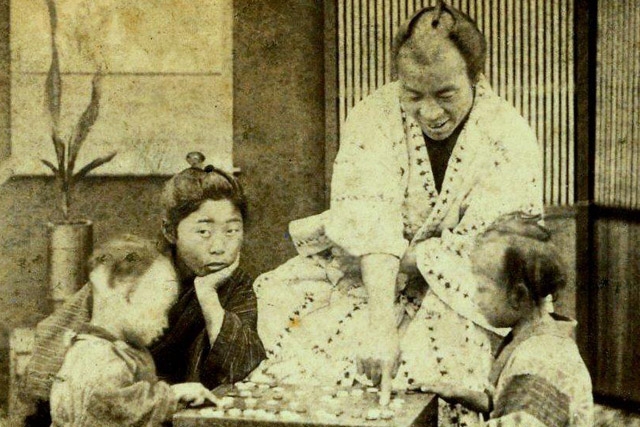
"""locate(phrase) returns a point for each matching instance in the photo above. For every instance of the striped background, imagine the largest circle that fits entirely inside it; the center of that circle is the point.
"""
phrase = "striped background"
(617, 181)
(530, 64)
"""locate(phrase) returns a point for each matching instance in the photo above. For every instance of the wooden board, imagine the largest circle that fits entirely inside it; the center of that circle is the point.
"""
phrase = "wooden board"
(257, 405)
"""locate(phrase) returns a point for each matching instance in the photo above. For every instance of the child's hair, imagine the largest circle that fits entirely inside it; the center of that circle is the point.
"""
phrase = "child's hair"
(125, 258)
(530, 257)
(462, 32)
(186, 191)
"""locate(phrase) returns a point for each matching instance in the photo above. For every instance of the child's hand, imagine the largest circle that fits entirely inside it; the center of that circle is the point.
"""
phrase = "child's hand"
(452, 392)
(193, 393)
(445, 390)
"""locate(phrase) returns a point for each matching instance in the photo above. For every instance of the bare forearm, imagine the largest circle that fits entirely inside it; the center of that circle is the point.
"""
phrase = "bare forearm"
(475, 400)
(213, 315)
(379, 273)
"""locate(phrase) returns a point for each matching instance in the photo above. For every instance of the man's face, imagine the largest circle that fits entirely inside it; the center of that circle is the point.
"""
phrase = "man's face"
(436, 89)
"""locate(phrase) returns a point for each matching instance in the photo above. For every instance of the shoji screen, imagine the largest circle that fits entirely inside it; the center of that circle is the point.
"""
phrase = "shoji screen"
(530, 64)
(614, 293)
(617, 181)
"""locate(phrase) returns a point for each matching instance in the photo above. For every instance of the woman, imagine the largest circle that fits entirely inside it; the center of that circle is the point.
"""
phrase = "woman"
(425, 164)
(212, 336)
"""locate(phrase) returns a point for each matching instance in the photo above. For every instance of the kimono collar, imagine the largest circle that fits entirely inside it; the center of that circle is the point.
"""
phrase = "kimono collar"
(98, 331)
(551, 324)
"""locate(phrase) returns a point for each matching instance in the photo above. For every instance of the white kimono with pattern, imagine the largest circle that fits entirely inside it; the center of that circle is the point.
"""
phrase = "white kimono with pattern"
(312, 309)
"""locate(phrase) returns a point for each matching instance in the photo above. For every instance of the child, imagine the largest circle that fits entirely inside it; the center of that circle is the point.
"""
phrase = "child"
(108, 377)
(538, 375)
(212, 335)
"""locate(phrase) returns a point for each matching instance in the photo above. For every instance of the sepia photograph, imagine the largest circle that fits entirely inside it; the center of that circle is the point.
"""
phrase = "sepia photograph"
(319, 213)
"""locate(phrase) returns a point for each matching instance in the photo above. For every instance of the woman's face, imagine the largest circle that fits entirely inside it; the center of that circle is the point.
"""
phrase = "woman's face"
(492, 297)
(436, 89)
(209, 239)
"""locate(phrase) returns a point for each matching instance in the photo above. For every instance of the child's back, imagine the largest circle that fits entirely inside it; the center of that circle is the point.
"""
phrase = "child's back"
(108, 377)
(542, 378)
(105, 380)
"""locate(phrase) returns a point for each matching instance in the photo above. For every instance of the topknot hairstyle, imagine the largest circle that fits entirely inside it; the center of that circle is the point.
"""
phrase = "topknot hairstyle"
(449, 23)
(186, 191)
(530, 257)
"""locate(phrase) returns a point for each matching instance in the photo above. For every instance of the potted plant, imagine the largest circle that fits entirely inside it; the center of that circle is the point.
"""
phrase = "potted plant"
(70, 240)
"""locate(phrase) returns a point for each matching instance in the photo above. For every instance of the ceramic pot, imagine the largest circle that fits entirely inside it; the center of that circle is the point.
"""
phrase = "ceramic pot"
(70, 244)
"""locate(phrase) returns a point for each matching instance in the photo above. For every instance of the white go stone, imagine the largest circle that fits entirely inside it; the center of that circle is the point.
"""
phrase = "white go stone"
(357, 392)
(373, 414)
(235, 412)
(386, 414)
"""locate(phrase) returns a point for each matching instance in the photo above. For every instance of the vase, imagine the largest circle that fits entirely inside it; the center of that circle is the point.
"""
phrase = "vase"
(70, 244)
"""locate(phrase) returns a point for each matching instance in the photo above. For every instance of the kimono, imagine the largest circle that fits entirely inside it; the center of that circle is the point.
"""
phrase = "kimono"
(383, 199)
(184, 353)
(541, 380)
(105, 382)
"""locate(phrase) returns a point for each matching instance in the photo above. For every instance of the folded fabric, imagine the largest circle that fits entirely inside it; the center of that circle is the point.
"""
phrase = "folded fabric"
(52, 342)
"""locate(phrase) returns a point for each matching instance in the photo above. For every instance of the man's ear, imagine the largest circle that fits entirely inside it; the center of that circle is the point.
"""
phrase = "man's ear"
(169, 231)
(517, 296)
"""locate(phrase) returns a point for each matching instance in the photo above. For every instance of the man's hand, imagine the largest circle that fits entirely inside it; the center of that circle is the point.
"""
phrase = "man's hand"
(408, 263)
(380, 360)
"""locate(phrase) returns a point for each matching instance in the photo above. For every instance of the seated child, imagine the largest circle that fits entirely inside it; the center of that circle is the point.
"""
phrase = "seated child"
(108, 377)
(538, 375)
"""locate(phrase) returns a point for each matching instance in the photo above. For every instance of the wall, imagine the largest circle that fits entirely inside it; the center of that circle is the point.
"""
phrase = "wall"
(529, 64)
(279, 137)
(614, 293)
(616, 297)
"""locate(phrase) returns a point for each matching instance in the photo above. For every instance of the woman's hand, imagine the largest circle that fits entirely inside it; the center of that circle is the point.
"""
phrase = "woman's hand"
(193, 393)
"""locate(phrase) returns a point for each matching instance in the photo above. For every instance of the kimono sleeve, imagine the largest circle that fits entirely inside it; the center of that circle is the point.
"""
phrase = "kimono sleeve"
(546, 380)
(237, 349)
(366, 188)
(105, 383)
(517, 419)
(133, 404)
(511, 181)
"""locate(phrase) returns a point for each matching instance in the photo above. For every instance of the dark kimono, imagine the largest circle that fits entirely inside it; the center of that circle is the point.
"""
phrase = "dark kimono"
(184, 353)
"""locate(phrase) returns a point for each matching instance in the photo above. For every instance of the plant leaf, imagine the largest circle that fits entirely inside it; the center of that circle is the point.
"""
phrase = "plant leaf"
(87, 120)
(58, 144)
(94, 164)
(53, 84)
(50, 165)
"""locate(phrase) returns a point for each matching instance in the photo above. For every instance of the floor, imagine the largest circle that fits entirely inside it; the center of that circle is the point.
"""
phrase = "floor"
(605, 417)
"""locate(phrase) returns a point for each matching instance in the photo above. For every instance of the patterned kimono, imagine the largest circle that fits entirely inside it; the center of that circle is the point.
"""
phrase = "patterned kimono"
(184, 353)
(313, 308)
(541, 380)
(106, 382)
